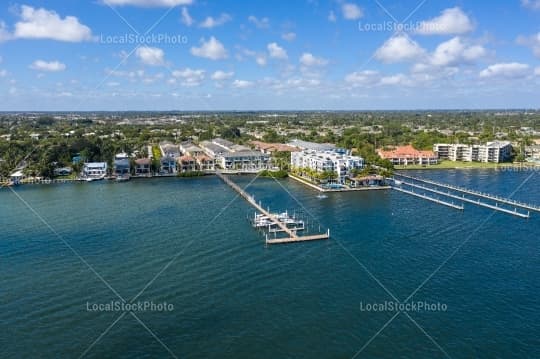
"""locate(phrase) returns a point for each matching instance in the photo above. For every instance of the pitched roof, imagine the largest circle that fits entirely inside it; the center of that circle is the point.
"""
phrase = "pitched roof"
(407, 151)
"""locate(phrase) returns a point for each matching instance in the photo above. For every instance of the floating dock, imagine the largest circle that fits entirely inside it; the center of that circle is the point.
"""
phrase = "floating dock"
(509, 201)
(465, 199)
(292, 236)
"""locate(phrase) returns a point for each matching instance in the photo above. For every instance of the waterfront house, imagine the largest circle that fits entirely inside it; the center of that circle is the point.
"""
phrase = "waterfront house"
(142, 166)
(245, 160)
(167, 165)
(187, 164)
(205, 163)
(121, 167)
(408, 155)
(95, 169)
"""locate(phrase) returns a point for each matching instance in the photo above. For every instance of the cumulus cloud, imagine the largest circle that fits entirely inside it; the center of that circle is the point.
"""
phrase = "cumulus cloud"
(185, 17)
(3, 73)
(351, 11)
(222, 75)
(263, 23)
(52, 66)
(531, 4)
(288, 36)
(46, 24)
(399, 48)
(531, 41)
(506, 70)
(210, 22)
(276, 51)
(452, 21)
(148, 3)
(241, 84)
(307, 59)
(211, 49)
(537, 71)
(393, 80)
(153, 56)
(189, 77)
(455, 51)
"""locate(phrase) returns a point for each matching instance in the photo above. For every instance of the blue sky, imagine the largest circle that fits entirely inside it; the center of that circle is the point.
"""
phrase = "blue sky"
(256, 55)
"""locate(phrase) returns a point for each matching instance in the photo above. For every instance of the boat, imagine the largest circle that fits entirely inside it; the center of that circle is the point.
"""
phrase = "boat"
(398, 182)
(123, 178)
(321, 196)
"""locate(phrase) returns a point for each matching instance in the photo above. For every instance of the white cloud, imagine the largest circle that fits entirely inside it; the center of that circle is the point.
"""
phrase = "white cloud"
(332, 16)
(45, 24)
(211, 49)
(452, 21)
(308, 59)
(531, 4)
(393, 80)
(210, 22)
(399, 48)
(531, 41)
(222, 75)
(241, 84)
(362, 78)
(260, 60)
(455, 52)
(276, 51)
(153, 56)
(263, 23)
(3, 73)
(289, 36)
(507, 70)
(537, 71)
(351, 11)
(148, 3)
(189, 77)
(4, 33)
(185, 17)
(53, 66)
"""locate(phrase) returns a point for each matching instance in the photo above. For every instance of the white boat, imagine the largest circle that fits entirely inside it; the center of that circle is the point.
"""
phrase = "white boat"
(321, 196)
(398, 182)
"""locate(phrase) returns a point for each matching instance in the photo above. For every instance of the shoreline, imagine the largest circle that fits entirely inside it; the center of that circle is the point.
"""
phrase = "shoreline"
(324, 190)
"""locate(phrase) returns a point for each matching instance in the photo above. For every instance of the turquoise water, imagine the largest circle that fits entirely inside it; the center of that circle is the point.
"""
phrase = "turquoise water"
(234, 297)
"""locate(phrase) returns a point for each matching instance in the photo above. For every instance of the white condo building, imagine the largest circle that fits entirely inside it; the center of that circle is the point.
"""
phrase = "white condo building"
(496, 151)
(331, 161)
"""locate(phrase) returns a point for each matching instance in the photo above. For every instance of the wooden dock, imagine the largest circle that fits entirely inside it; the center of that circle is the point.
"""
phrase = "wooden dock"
(465, 199)
(499, 199)
(293, 237)
(436, 200)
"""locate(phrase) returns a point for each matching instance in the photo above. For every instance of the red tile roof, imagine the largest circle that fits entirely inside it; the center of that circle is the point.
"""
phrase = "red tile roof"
(406, 152)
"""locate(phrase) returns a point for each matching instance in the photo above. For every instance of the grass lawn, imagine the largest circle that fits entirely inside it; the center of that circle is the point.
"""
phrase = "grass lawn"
(460, 165)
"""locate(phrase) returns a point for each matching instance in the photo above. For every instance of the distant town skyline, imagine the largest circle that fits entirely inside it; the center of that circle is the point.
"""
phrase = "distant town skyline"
(114, 55)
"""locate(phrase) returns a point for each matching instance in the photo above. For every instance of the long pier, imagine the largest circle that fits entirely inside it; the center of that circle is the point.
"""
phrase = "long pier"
(444, 203)
(465, 199)
(512, 202)
(293, 237)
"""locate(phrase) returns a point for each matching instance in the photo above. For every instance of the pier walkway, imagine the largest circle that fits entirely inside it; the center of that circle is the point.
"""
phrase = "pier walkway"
(465, 199)
(509, 201)
(444, 203)
(293, 237)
